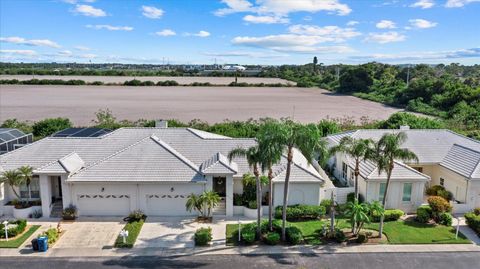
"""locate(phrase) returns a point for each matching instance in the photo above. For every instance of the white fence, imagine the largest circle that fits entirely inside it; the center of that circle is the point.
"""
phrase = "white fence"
(461, 208)
(339, 194)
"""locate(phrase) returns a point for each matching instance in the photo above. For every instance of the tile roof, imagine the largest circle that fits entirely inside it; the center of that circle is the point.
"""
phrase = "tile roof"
(219, 164)
(463, 160)
(430, 145)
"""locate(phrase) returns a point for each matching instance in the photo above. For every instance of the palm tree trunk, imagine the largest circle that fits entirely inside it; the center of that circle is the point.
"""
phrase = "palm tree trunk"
(259, 202)
(285, 191)
(270, 199)
(382, 216)
(357, 164)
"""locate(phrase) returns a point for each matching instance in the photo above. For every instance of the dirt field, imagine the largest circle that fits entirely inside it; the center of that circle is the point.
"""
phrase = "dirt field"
(212, 104)
(180, 80)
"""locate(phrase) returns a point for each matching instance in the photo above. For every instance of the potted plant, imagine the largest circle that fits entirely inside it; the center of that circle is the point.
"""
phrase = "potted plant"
(69, 213)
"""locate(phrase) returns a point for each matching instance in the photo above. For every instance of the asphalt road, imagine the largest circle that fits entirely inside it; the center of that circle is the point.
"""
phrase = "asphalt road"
(437, 260)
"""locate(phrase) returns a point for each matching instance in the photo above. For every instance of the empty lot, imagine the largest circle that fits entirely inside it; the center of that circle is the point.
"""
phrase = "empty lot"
(212, 104)
(180, 80)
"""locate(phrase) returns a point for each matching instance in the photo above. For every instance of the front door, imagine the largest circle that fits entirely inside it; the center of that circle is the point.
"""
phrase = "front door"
(59, 187)
(219, 186)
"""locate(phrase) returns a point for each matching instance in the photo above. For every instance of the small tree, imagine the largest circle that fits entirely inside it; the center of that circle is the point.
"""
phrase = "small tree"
(13, 178)
(315, 62)
(358, 214)
(48, 127)
(194, 202)
(27, 174)
(210, 200)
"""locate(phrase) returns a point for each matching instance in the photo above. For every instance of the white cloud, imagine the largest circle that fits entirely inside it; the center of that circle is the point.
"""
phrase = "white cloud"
(326, 33)
(423, 4)
(65, 53)
(20, 52)
(152, 12)
(89, 11)
(352, 23)
(459, 3)
(385, 24)
(384, 38)
(166, 32)
(229, 54)
(110, 27)
(88, 56)
(30, 42)
(82, 48)
(77, 1)
(265, 19)
(234, 6)
(422, 24)
(201, 33)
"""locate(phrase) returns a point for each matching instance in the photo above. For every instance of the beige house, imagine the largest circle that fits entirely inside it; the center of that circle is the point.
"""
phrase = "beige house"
(445, 158)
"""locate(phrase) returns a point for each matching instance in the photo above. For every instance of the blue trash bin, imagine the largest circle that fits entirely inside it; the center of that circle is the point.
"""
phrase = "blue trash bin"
(42, 243)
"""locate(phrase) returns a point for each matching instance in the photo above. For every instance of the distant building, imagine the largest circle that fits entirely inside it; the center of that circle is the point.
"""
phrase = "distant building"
(11, 139)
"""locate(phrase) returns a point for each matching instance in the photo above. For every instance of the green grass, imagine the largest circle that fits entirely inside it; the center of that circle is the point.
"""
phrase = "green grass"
(397, 232)
(15, 243)
(133, 229)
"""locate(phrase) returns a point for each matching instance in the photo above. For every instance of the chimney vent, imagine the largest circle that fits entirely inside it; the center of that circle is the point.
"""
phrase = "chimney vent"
(161, 123)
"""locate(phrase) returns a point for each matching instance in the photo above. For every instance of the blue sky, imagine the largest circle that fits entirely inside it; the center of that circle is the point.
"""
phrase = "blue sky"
(240, 31)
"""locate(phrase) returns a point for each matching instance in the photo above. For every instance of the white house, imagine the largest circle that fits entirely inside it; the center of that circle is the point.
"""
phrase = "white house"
(445, 158)
(151, 169)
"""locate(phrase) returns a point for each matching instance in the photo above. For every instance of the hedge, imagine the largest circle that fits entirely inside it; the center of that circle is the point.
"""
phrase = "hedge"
(473, 221)
(445, 218)
(294, 235)
(21, 224)
(389, 215)
(301, 212)
(203, 236)
(424, 213)
(248, 233)
(133, 229)
(272, 238)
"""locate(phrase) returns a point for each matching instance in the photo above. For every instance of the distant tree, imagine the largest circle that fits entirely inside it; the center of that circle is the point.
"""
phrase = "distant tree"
(48, 127)
(315, 62)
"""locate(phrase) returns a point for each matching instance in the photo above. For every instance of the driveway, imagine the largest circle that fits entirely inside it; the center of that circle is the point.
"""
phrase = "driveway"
(177, 232)
(90, 233)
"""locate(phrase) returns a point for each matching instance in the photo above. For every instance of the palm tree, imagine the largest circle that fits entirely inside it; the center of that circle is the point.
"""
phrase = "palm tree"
(387, 151)
(210, 199)
(13, 178)
(271, 154)
(253, 157)
(359, 150)
(27, 174)
(307, 139)
(358, 214)
(194, 202)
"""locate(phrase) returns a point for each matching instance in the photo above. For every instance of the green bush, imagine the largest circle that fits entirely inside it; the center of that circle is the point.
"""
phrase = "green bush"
(51, 234)
(326, 203)
(351, 197)
(389, 215)
(476, 211)
(362, 238)
(438, 190)
(473, 221)
(203, 236)
(248, 232)
(276, 225)
(48, 127)
(294, 235)
(424, 213)
(18, 227)
(237, 199)
(340, 236)
(301, 212)
(252, 204)
(136, 215)
(445, 218)
(439, 205)
(272, 238)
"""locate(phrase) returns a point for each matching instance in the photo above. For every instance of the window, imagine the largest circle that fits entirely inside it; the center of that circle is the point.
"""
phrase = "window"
(382, 191)
(344, 170)
(32, 191)
(442, 182)
(407, 192)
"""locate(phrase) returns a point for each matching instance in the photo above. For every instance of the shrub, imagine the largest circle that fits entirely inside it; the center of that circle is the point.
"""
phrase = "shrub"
(439, 205)
(476, 211)
(362, 238)
(252, 204)
(473, 221)
(433, 190)
(248, 232)
(301, 212)
(276, 225)
(389, 215)
(340, 236)
(203, 236)
(445, 218)
(237, 199)
(447, 195)
(69, 213)
(326, 203)
(51, 234)
(47, 127)
(17, 227)
(424, 213)
(136, 215)
(294, 235)
(351, 197)
(272, 238)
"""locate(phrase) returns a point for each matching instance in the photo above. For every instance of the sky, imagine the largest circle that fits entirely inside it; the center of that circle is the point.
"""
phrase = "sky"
(267, 32)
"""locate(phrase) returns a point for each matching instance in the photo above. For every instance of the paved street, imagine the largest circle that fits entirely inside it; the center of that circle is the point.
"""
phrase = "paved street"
(456, 260)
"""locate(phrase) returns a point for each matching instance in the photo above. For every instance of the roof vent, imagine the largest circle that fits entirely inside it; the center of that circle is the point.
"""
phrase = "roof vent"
(161, 123)
(404, 127)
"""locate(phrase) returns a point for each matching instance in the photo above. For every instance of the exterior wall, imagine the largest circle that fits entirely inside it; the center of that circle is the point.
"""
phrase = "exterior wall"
(46, 195)
(299, 193)
(474, 194)
(2, 198)
(237, 185)
(395, 193)
(229, 194)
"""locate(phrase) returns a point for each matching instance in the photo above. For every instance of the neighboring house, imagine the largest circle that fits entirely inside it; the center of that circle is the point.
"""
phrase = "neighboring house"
(445, 158)
(11, 139)
(151, 169)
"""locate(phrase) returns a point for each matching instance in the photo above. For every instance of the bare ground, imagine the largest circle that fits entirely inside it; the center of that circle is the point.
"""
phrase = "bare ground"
(180, 80)
(212, 104)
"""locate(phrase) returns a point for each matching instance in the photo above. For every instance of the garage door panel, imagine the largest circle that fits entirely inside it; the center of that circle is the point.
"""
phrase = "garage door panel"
(169, 200)
(103, 205)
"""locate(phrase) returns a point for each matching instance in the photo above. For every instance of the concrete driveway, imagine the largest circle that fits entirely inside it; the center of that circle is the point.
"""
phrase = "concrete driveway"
(90, 233)
(177, 232)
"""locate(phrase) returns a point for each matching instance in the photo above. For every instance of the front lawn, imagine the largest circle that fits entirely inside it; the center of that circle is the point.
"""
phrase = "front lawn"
(397, 232)
(133, 229)
(15, 243)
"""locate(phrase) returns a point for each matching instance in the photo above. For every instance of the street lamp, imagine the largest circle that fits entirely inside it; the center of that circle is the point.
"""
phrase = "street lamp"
(6, 229)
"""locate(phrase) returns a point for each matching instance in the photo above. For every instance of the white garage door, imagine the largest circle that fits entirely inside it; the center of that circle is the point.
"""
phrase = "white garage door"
(103, 205)
(167, 205)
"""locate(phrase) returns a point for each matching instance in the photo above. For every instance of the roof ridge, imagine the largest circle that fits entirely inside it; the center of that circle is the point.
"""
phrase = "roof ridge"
(411, 169)
(54, 161)
(174, 152)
